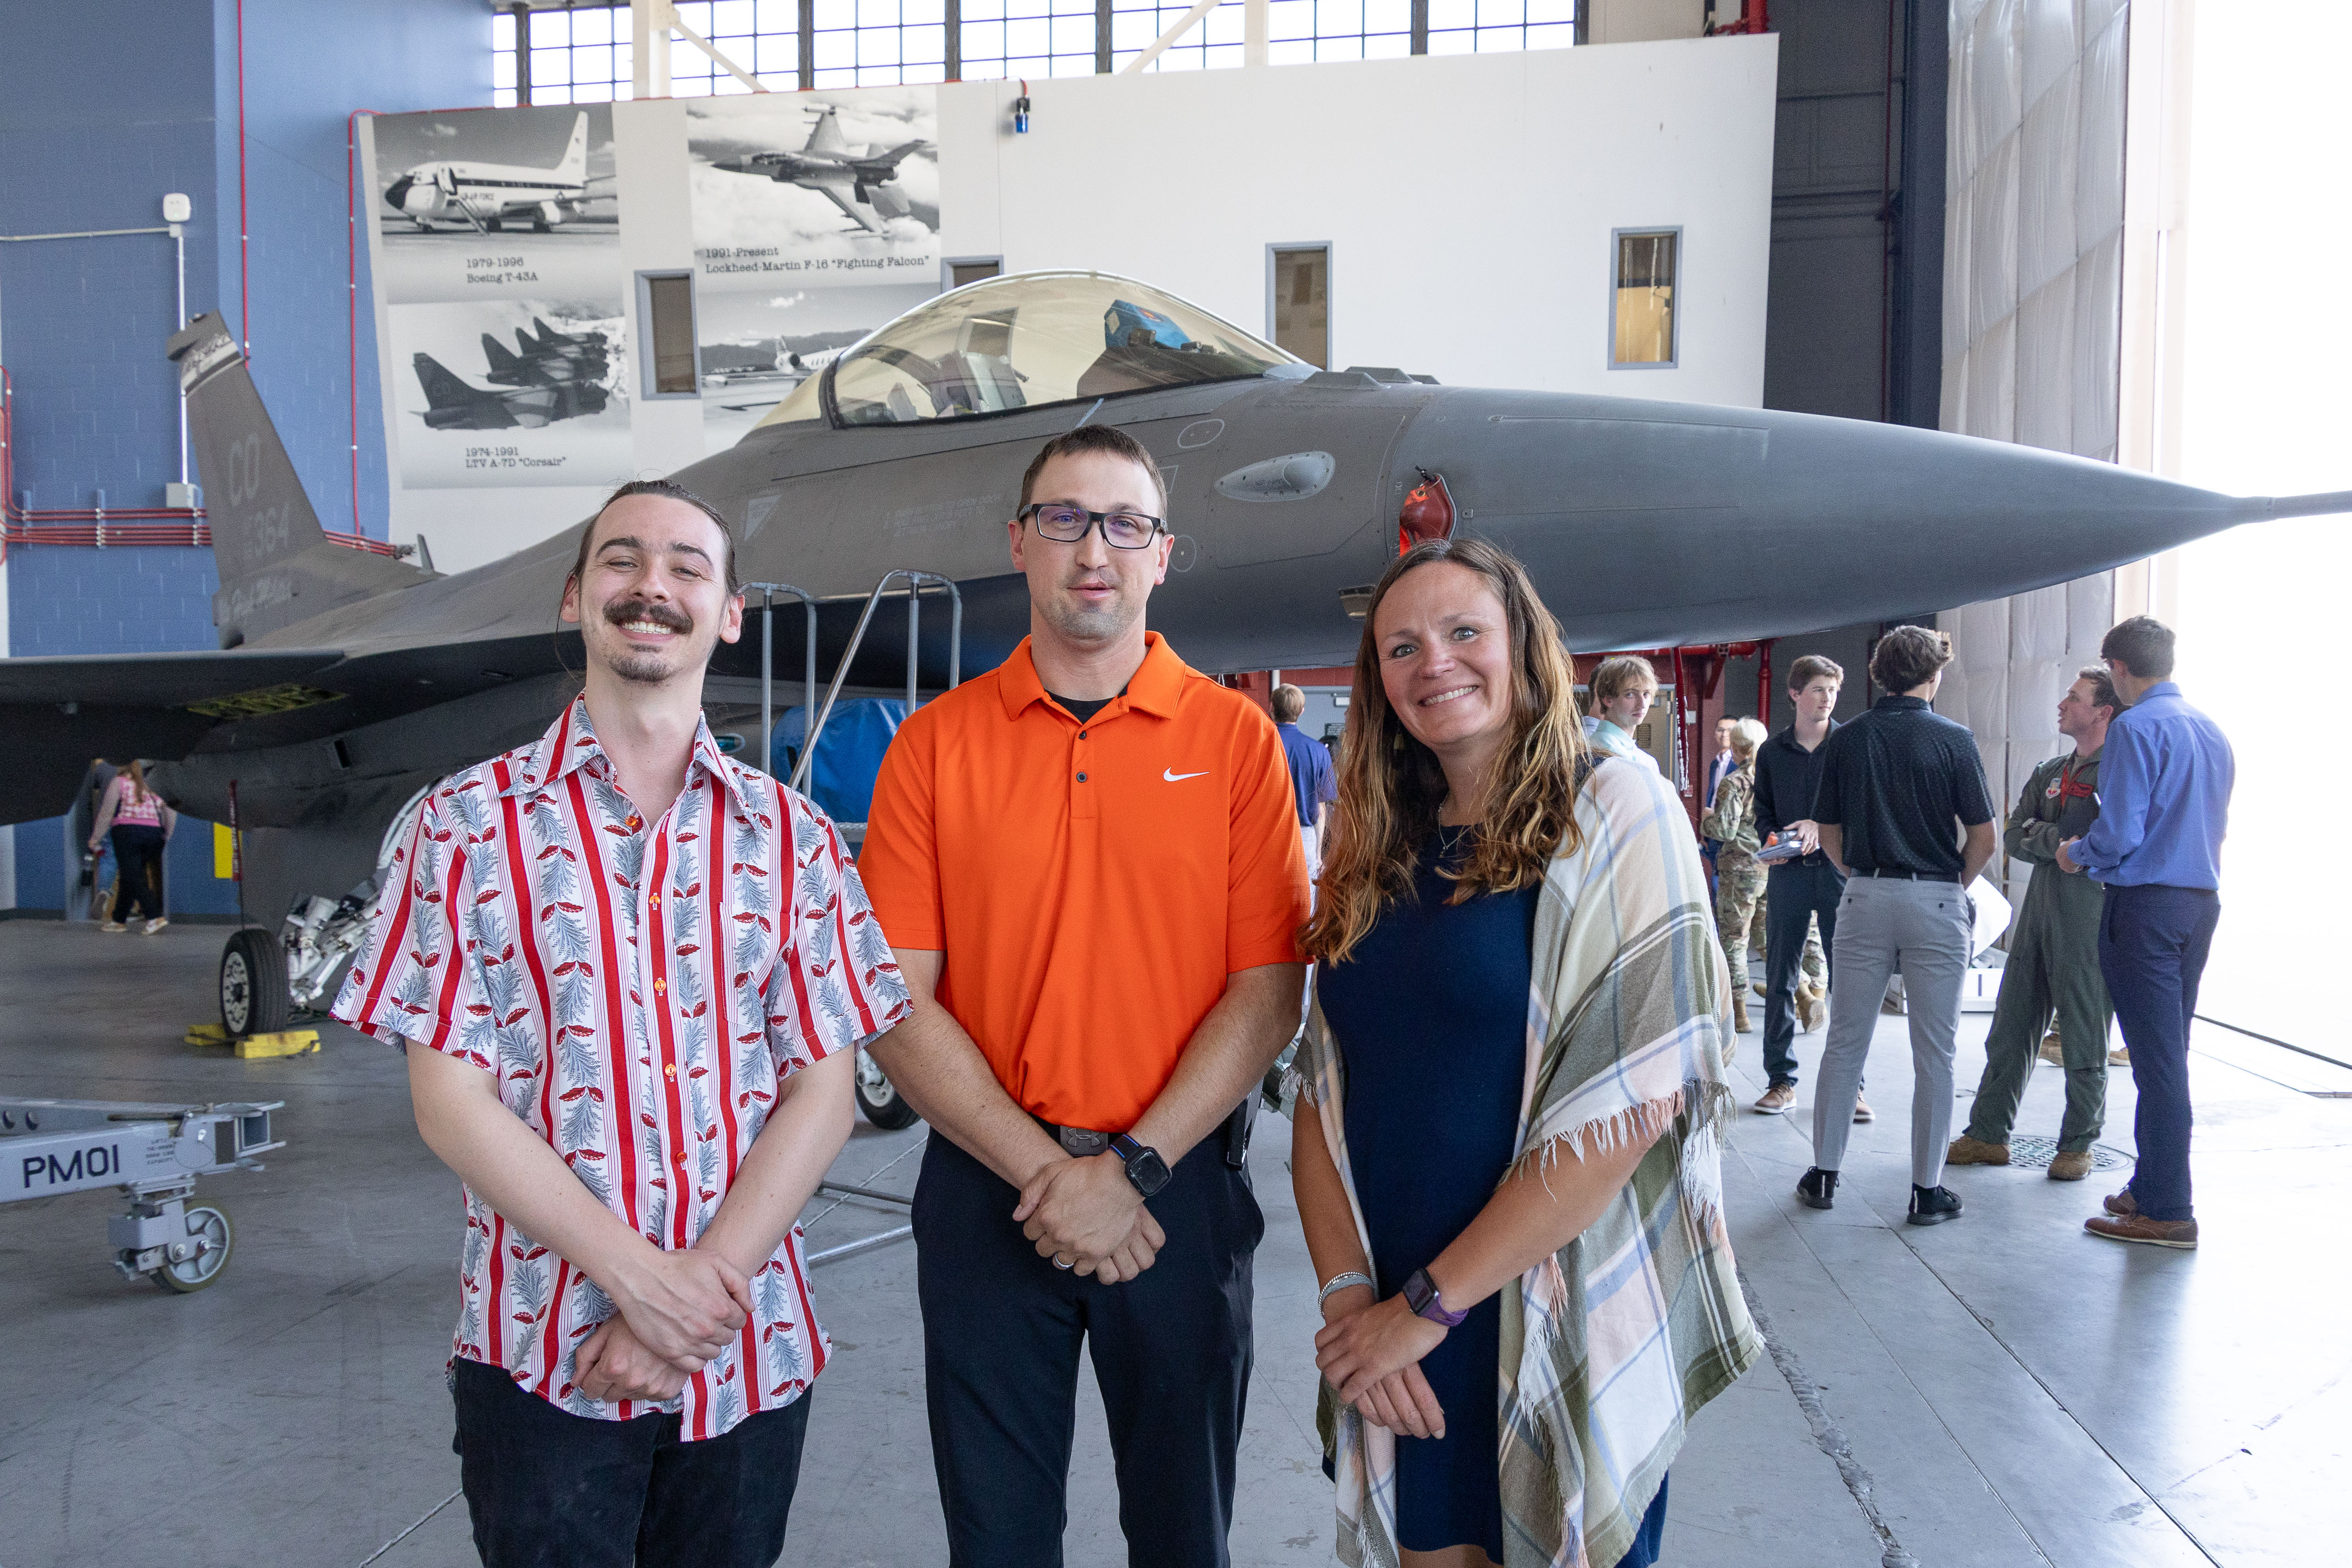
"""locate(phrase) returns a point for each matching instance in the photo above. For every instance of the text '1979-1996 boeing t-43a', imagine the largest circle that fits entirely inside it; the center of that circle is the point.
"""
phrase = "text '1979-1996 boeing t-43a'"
(347, 681)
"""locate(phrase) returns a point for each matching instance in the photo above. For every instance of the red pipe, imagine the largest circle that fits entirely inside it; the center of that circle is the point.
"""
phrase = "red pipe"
(352, 217)
(244, 237)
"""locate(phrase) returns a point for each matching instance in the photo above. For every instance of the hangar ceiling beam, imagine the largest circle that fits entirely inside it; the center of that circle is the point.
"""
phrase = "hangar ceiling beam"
(1159, 46)
(716, 53)
(649, 25)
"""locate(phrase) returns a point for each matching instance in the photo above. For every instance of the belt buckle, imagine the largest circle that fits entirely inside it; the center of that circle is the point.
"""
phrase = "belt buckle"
(1082, 1142)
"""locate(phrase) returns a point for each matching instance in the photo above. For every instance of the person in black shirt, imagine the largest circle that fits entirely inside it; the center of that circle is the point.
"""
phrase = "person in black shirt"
(1801, 890)
(1903, 809)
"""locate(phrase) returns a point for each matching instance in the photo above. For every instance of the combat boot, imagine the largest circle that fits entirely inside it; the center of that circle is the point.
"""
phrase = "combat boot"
(1812, 1010)
(1739, 1023)
(1967, 1151)
(2070, 1165)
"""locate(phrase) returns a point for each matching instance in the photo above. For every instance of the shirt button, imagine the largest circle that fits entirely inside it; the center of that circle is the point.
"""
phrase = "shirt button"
(669, 1069)
(661, 988)
(634, 823)
(678, 1159)
(1081, 777)
(1082, 734)
(657, 901)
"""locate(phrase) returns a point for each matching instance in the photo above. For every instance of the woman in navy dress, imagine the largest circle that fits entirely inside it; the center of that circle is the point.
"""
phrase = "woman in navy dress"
(1464, 761)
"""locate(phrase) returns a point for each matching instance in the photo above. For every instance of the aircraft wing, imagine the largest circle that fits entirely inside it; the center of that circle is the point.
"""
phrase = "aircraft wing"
(59, 713)
(850, 209)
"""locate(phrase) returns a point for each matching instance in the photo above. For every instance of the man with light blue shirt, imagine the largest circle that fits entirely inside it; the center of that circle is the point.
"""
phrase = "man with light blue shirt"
(1624, 687)
(2164, 804)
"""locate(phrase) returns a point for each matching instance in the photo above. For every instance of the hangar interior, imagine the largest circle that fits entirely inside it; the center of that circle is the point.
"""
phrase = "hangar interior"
(2030, 222)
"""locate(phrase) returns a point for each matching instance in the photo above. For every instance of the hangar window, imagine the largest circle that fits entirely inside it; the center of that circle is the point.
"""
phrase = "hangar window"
(1488, 26)
(1030, 341)
(1298, 300)
(1003, 38)
(877, 43)
(666, 352)
(1642, 309)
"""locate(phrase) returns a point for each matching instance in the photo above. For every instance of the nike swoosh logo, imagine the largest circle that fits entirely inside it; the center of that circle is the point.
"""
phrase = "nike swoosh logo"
(1175, 777)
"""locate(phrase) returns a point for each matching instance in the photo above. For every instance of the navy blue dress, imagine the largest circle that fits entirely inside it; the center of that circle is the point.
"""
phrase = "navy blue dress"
(1430, 1015)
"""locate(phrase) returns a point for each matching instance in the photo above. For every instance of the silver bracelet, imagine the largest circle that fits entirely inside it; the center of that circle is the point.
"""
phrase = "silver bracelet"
(1341, 1281)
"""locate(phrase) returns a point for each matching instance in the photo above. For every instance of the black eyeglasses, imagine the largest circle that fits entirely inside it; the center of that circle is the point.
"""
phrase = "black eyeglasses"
(1065, 524)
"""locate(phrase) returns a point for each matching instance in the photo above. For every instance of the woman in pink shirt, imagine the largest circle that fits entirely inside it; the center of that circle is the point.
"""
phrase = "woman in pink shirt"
(143, 825)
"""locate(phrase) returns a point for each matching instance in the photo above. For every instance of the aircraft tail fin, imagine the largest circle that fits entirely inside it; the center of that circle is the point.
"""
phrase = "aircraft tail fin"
(261, 520)
(824, 136)
(546, 338)
(442, 387)
(574, 167)
(501, 363)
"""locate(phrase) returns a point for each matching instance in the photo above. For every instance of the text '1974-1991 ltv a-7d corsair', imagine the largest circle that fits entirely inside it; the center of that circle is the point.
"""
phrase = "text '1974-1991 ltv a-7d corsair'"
(346, 681)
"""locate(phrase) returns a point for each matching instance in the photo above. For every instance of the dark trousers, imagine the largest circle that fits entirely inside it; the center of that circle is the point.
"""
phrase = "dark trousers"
(550, 1489)
(2152, 946)
(138, 868)
(1793, 893)
(1002, 1333)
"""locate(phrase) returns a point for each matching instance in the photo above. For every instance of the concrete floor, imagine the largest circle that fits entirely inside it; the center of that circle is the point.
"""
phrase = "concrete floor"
(1999, 1391)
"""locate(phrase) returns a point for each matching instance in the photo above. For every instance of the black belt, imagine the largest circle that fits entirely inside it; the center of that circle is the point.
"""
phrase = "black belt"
(1893, 875)
(1083, 1142)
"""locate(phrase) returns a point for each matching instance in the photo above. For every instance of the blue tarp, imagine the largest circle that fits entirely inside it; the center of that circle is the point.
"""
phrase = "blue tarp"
(849, 754)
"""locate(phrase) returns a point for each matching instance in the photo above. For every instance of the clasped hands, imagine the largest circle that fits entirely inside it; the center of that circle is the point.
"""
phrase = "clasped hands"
(1085, 1213)
(676, 1311)
(1370, 1352)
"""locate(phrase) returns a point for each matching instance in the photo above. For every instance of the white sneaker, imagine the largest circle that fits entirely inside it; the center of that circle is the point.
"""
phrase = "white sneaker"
(114, 926)
(154, 925)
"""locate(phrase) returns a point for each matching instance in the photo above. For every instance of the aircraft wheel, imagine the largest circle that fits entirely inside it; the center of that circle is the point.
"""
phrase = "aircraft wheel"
(253, 995)
(879, 1099)
(494, 224)
(196, 1263)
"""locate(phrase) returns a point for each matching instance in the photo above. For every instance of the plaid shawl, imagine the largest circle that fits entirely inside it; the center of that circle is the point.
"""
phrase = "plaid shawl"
(1609, 1344)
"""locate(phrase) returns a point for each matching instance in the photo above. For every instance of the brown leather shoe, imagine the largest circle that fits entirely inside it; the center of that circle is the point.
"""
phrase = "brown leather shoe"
(1778, 1098)
(1967, 1151)
(2070, 1165)
(1862, 1111)
(2120, 1057)
(2179, 1234)
(2120, 1203)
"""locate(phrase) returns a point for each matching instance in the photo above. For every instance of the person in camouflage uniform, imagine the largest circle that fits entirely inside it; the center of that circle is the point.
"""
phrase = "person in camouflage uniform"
(1738, 880)
(2053, 957)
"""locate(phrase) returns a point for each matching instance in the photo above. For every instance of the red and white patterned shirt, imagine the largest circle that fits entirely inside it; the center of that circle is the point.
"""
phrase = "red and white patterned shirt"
(639, 991)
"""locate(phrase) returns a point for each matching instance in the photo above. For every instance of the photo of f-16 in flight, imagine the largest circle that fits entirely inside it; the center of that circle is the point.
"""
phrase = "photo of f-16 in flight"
(859, 180)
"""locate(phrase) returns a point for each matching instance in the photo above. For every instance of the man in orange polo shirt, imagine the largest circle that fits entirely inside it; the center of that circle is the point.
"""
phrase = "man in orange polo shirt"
(1089, 866)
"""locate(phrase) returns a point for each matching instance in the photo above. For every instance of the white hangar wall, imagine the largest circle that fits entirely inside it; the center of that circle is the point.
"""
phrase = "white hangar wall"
(1468, 199)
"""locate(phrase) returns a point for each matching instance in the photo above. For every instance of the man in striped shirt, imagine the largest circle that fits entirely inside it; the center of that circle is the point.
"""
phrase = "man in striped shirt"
(639, 971)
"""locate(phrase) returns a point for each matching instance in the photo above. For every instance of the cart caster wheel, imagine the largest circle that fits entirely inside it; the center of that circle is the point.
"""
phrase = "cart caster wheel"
(879, 1099)
(194, 1263)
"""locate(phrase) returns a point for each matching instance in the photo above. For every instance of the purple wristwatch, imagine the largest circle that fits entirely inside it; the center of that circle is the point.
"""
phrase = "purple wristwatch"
(1421, 1295)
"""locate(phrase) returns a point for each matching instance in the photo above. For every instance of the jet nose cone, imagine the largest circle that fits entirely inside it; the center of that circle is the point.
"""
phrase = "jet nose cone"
(397, 196)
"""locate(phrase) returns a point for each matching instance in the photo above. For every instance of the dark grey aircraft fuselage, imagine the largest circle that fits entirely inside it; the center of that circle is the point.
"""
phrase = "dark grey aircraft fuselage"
(1642, 523)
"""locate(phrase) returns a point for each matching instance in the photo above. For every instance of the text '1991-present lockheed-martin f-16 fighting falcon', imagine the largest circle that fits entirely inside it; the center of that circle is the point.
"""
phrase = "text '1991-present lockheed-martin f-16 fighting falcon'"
(346, 681)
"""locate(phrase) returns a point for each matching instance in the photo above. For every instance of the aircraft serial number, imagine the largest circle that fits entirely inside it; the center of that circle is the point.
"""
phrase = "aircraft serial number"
(494, 261)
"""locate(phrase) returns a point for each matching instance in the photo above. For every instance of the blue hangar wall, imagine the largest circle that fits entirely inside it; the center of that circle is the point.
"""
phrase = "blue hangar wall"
(105, 106)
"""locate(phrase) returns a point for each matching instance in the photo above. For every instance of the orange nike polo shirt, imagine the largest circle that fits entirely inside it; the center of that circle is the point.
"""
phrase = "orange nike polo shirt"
(1090, 885)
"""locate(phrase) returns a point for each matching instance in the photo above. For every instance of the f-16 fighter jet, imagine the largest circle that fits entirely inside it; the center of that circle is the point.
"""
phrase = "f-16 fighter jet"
(487, 196)
(454, 405)
(346, 681)
(856, 182)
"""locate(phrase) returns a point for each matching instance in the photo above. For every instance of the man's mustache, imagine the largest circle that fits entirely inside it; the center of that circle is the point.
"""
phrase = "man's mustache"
(667, 617)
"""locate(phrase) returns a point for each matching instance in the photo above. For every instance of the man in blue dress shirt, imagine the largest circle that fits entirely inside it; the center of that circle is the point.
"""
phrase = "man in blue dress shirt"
(2164, 804)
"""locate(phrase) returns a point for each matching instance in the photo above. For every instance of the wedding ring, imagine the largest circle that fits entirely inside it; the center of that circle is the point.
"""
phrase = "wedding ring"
(1060, 1262)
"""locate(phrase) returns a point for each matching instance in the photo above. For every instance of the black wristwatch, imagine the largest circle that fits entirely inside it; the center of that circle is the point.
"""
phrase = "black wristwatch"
(1145, 1168)
(1421, 1295)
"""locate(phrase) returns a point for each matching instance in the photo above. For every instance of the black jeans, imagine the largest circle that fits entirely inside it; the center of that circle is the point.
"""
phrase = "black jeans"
(1002, 1332)
(2152, 946)
(138, 862)
(1792, 892)
(550, 1489)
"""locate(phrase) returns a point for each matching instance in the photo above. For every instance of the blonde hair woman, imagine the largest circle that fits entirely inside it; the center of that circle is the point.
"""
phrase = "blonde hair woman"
(142, 825)
(1514, 1086)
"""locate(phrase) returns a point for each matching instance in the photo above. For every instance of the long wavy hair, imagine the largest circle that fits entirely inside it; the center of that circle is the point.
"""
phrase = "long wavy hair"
(1390, 785)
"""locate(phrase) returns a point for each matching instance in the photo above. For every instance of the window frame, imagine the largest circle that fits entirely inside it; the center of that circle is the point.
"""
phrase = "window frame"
(1617, 237)
(648, 354)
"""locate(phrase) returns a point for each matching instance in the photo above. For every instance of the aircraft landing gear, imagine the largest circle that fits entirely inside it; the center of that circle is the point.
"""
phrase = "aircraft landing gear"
(494, 224)
(254, 999)
(879, 1099)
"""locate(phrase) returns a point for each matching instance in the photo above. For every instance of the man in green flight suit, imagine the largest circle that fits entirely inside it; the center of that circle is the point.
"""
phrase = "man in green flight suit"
(2054, 953)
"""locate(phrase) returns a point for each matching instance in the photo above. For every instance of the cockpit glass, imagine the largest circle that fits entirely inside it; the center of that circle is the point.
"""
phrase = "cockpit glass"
(1026, 341)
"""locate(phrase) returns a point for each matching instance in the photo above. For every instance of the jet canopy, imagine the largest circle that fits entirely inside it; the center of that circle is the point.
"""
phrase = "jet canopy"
(1025, 342)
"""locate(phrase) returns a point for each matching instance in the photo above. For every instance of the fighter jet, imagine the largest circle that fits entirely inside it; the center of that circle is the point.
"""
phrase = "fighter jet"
(489, 195)
(576, 345)
(347, 681)
(451, 405)
(541, 367)
(828, 166)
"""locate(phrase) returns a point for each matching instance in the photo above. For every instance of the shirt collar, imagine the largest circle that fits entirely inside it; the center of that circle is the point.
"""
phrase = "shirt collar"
(1897, 702)
(1153, 688)
(570, 741)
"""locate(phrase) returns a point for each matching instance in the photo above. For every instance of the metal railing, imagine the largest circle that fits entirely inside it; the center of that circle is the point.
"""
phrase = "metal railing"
(916, 583)
(768, 591)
